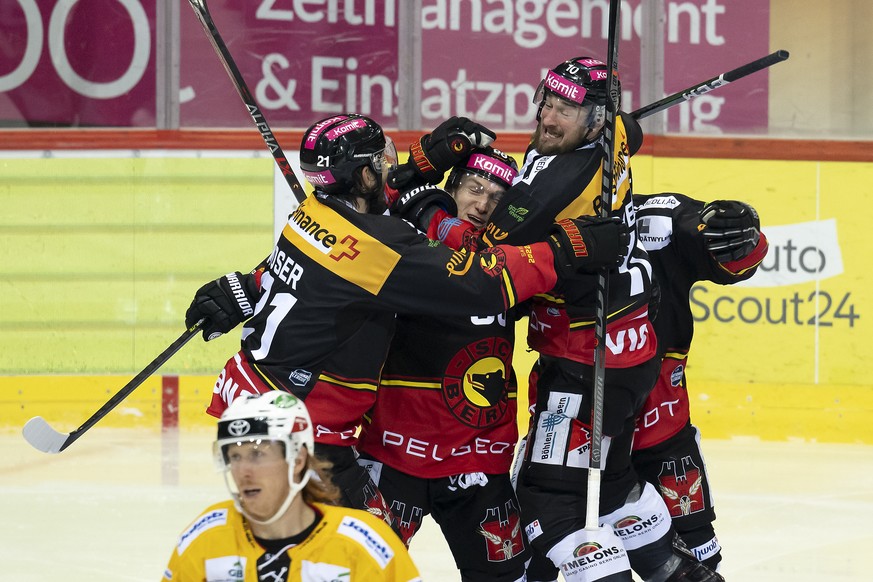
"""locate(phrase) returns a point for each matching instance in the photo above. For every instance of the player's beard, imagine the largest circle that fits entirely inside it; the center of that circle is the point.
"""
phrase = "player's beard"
(551, 149)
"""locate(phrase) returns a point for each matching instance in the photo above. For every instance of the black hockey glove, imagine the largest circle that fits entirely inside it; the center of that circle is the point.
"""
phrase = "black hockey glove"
(587, 243)
(419, 205)
(224, 303)
(732, 229)
(449, 144)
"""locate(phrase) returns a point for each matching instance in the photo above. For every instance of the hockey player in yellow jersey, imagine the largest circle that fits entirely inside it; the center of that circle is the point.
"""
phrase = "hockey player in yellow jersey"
(281, 524)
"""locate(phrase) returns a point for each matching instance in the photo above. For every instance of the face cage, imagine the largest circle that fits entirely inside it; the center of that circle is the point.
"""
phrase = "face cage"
(294, 488)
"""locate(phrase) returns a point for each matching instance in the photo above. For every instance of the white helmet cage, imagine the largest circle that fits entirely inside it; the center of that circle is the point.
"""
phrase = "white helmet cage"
(272, 416)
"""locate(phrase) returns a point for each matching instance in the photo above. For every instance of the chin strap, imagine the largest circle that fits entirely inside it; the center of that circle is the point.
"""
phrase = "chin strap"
(295, 489)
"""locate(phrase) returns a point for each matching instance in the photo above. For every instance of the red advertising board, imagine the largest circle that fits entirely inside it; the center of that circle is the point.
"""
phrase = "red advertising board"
(485, 60)
(302, 61)
(77, 63)
(93, 62)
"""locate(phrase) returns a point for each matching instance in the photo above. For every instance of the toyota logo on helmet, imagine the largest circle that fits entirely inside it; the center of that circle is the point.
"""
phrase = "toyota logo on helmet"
(238, 427)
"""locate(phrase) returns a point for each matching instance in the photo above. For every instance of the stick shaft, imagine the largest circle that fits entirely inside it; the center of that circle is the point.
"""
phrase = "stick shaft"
(592, 513)
(134, 383)
(236, 77)
(710, 84)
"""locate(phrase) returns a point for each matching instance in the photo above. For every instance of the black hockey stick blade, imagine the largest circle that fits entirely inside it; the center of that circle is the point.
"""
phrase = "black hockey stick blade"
(205, 18)
(710, 84)
(43, 437)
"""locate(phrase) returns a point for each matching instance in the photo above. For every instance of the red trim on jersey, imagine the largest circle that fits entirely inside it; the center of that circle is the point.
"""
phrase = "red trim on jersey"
(630, 340)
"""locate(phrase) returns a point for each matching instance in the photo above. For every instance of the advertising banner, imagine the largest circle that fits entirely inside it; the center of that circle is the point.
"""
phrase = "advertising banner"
(485, 60)
(302, 61)
(79, 63)
(93, 62)
(801, 318)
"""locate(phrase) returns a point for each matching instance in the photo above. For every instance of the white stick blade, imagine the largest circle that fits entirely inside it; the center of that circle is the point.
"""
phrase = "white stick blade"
(43, 437)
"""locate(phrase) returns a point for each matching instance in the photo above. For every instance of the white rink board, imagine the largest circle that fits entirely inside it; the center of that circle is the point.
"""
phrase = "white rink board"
(106, 509)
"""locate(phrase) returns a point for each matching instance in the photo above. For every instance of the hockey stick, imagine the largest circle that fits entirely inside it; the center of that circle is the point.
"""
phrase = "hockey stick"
(261, 124)
(43, 437)
(592, 512)
(707, 86)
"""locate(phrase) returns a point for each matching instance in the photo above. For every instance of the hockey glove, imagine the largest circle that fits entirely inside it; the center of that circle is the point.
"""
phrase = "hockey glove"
(585, 244)
(419, 205)
(732, 229)
(224, 303)
(448, 145)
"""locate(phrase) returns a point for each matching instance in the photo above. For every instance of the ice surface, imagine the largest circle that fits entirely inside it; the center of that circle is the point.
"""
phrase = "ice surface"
(109, 508)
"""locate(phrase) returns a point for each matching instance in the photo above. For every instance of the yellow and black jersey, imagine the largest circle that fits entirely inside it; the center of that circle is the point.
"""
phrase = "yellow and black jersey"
(333, 270)
(568, 185)
(345, 544)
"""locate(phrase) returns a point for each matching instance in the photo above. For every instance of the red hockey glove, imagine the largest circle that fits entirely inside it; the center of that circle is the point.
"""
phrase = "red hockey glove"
(585, 244)
(732, 229)
(224, 303)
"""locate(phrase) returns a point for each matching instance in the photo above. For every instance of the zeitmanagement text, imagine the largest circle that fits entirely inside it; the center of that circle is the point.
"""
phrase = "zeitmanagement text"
(529, 22)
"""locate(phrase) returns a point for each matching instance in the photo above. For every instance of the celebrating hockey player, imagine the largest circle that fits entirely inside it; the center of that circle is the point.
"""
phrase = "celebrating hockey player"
(441, 437)
(319, 310)
(688, 242)
(561, 177)
(282, 523)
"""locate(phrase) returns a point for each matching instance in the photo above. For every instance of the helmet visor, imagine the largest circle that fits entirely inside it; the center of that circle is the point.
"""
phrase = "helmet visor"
(387, 158)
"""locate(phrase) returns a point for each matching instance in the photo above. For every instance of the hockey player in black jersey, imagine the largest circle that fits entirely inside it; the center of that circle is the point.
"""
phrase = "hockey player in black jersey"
(441, 437)
(688, 241)
(561, 177)
(319, 311)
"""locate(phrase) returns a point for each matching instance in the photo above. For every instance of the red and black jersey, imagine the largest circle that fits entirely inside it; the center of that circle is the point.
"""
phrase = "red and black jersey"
(568, 185)
(669, 227)
(334, 270)
(446, 403)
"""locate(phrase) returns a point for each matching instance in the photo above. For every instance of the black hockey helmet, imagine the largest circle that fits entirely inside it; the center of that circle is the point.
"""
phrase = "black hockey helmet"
(582, 81)
(334, 148)
(488, 162)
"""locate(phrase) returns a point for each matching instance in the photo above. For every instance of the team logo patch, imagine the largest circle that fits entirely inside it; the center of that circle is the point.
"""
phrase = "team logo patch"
(493, 261)
(502, 532)
(475, 382)
(407, 519)
(682, 488)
